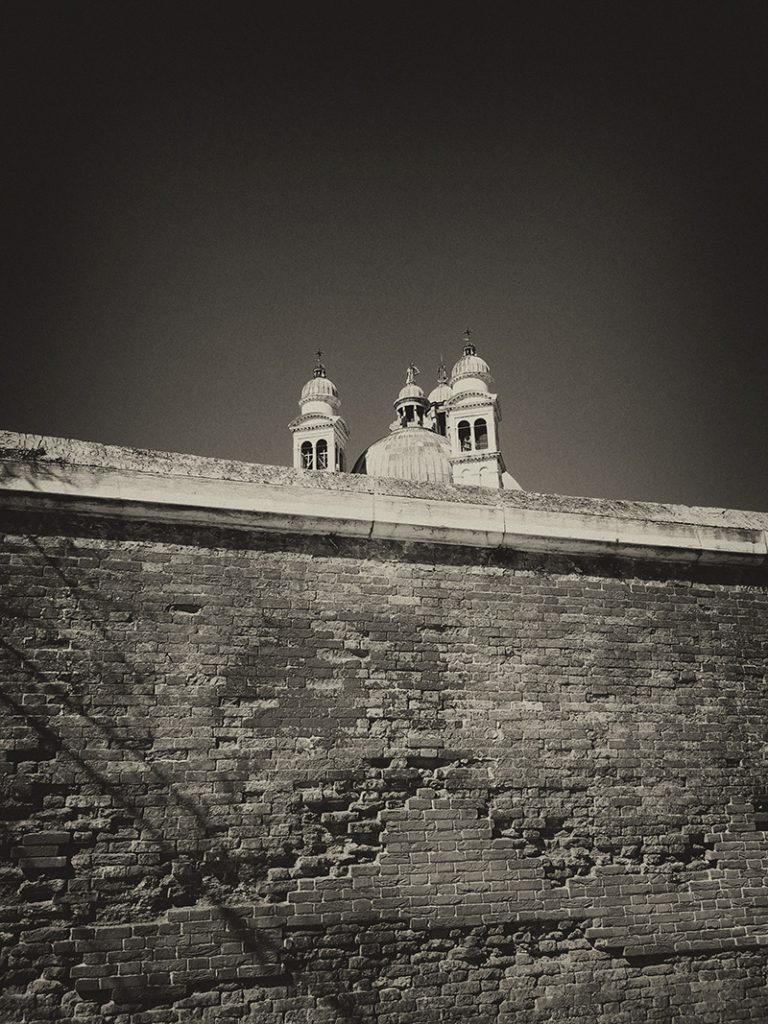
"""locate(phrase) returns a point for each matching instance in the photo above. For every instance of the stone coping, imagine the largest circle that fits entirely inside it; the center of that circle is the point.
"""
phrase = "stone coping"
(38, 472)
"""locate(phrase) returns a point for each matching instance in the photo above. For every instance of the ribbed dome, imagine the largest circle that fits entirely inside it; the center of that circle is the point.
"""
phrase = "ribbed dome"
(410, 454)
(319, 387)
(470, 365)
(410, 391)
(441, 393)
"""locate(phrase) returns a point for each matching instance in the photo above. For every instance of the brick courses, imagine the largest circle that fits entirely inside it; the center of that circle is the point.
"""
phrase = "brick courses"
(273, 778)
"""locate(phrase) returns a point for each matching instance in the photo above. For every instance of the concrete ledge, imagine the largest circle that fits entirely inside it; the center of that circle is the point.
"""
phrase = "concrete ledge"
(436, 522)
(632, 538)
(144, 486)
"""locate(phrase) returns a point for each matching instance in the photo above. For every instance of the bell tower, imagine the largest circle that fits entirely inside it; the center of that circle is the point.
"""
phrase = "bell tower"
(320, 435)
(472, 421)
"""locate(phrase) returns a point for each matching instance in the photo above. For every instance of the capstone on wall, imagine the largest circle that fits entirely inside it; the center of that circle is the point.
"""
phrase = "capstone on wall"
(278, 777)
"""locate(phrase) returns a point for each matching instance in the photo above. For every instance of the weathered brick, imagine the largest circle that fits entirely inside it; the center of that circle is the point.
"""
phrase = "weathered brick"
(449, 767)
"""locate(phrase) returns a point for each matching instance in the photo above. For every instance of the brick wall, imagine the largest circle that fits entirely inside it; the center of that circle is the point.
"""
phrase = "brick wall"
(269, 778)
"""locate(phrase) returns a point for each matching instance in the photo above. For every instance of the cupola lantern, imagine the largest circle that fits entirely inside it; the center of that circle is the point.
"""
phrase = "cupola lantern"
(320, 435)
(472, 421)
(411, 405)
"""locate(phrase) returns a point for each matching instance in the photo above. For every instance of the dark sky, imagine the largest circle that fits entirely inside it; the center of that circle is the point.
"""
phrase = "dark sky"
(200, 195)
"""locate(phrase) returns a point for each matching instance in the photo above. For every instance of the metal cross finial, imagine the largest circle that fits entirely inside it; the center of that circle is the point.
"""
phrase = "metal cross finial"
(319, 370)
(469, 348)
(467, 334)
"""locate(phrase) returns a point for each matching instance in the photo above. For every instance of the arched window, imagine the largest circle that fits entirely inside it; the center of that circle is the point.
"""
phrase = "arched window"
(322, 454)
(340, 461)
(307, 458)
(465, 436)
(440, 423)
(481, 434)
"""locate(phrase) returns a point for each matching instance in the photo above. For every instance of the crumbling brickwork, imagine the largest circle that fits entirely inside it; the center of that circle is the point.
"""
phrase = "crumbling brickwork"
(269, 778)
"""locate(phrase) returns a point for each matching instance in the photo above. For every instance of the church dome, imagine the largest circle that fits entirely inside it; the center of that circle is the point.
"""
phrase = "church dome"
(410, 391)
(319, 387)
(319, 395)
(416, 454)
(470, 366)
(440, 394)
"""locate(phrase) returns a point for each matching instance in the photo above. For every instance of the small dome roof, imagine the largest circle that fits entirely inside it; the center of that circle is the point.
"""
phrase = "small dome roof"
(411, 454)
(470, 366)
(319, 387)
(441, 393)
(410, 391)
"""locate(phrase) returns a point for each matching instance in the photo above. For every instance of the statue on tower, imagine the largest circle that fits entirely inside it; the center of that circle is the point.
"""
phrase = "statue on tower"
(411, 372)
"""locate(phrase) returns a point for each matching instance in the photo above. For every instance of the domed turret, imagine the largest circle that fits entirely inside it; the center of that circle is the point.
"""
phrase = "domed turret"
(442, 392)
(470, 373)
(319, 394)
(472, 418)
(321, 388)
(411, 403)
(410, 391)
(320, 435)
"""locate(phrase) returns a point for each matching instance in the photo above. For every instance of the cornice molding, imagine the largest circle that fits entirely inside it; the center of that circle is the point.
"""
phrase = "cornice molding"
(323, 422)
(470, 400)
(362, 507)
(487, 455)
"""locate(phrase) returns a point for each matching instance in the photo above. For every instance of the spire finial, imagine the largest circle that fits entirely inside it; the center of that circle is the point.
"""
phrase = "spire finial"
(410, 373)
(469, 348)
(319, 370)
